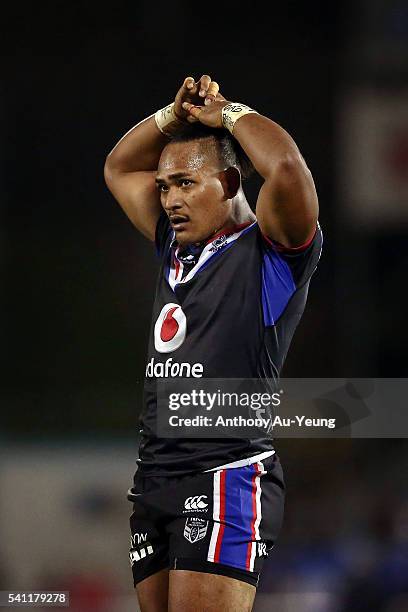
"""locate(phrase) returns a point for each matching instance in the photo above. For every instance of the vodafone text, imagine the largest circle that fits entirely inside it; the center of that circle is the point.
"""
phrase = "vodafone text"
(172, 369)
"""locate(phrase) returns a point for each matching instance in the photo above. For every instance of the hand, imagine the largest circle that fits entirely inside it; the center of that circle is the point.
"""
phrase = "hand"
(203, 91)
(208, 115)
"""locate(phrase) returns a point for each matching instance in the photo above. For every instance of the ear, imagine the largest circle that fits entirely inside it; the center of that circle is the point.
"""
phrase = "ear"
(231, 181)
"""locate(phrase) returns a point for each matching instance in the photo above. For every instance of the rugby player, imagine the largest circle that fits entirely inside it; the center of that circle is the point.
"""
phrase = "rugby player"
(231, 290)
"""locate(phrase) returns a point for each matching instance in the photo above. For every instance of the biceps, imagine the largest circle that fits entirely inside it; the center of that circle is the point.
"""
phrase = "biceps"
(137, 194)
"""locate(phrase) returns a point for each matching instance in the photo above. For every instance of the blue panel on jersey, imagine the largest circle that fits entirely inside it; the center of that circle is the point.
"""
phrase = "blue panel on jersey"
(238, 516)
(278, 286)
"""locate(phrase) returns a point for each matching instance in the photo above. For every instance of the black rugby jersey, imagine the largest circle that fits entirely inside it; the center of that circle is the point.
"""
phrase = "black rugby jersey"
(231, 315)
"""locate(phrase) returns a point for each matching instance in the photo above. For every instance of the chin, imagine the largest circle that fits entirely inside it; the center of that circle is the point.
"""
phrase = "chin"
(185, 238)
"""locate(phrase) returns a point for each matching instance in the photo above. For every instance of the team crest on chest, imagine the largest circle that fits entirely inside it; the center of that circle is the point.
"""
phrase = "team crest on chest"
(170, 328)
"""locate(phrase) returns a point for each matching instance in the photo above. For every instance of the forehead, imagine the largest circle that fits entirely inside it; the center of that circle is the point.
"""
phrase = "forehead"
(195, 155)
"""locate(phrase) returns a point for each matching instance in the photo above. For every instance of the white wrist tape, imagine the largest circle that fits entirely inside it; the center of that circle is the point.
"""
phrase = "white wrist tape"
(166, 120)
(233, 111)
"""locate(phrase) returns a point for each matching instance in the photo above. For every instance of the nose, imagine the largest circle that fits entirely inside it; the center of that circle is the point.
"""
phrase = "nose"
(173, 200)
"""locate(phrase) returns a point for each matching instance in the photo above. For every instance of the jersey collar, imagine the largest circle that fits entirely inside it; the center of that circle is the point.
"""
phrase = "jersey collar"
(227, 232)
(209, 250)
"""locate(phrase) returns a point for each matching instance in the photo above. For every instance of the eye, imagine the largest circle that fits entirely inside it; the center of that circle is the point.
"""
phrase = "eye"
(162, 187)
(186, 182)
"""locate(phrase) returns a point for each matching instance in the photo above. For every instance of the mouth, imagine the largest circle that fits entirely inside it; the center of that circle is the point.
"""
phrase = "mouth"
(179, 222)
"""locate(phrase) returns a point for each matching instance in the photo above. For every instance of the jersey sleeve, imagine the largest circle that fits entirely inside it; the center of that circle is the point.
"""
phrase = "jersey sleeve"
(163, 233)
(300, 261)
(285, 271)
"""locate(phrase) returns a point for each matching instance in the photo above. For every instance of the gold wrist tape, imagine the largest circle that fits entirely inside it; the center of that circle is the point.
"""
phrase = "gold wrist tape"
(233, 111)
(166, 120)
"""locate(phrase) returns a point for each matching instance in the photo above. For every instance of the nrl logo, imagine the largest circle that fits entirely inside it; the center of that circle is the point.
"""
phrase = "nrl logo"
(195, 529)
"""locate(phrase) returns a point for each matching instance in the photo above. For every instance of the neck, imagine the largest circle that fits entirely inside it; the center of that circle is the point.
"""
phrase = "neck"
(240, 213)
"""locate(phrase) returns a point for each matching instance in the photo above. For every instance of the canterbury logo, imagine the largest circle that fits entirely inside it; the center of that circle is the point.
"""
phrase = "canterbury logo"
(196, 502)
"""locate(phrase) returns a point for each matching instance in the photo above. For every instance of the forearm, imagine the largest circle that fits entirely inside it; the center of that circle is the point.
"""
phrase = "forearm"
(131, 167)
(269, 147)
(139, 149)
(287, 205)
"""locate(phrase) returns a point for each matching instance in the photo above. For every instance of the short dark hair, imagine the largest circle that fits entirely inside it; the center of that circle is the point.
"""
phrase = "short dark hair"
(231, 152)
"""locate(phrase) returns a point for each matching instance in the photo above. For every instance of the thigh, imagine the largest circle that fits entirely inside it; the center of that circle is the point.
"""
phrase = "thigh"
(191, 591)
(152, 592)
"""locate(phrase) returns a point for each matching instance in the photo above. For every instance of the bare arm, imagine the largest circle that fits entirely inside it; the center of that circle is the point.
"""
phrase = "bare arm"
(130, 168)
(287, 206)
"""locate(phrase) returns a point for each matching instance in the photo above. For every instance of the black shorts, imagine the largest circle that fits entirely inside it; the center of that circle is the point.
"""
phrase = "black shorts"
(223, 521)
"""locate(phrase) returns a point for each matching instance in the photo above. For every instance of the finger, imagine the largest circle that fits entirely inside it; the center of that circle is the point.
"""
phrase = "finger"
(189, 87)
(213, 89)
(204, 84)
(188, 83)
(192, 109)
(220, 98)
(212, 92)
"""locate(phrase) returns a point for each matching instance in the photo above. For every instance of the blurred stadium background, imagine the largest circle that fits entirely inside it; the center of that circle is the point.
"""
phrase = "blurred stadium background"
(78, 282)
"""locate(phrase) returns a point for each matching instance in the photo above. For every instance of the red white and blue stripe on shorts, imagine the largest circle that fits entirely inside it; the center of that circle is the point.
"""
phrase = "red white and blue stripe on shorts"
(237, 515)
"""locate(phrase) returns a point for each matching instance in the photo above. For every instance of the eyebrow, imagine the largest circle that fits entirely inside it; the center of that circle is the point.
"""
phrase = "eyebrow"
(170, 177)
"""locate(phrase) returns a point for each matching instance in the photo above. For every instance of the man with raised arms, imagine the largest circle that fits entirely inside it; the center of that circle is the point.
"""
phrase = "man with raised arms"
(231, 290)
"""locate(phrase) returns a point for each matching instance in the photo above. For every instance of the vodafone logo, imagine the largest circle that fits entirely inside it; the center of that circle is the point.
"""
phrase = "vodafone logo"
(170, 328)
